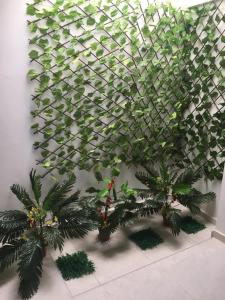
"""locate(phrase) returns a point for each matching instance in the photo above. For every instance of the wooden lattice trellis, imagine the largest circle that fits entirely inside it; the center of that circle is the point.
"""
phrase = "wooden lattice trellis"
(119, 82)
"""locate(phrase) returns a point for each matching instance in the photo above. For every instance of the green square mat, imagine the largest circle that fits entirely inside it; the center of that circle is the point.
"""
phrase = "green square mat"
(146, 239)
(75, 265)
(190, 225)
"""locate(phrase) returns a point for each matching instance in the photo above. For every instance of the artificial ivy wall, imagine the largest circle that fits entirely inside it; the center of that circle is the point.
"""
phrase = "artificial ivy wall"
(119, 82)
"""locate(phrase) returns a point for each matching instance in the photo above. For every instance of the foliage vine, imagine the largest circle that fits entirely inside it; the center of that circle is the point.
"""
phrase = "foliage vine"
(119, 82)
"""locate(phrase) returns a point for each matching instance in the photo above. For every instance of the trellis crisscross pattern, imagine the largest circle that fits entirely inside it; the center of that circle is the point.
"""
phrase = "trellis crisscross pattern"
(117, 81)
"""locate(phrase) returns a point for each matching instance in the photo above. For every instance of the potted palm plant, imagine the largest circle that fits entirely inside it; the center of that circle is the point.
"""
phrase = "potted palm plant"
(26, 234)
(111, 208)
(165, 187)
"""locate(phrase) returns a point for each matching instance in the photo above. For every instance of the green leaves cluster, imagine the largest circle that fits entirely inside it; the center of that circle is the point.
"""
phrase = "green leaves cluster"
(111, 90)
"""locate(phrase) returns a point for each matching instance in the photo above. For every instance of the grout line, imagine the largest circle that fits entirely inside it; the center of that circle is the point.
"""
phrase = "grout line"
(60, 275)
(143, 267)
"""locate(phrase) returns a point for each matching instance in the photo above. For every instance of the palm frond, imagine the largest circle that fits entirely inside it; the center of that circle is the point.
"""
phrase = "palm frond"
(12, 224)
(150, 207)
(74, 229)
(22, 196)
(128, 217)
(189, 176)
(194, 199)
(148, 180)
(174, 220)
(58, 193)
(74, 222)
(151, 169)
(144, 193)
(74, 198)
(30, 268)
(9, 253)
(164, 173)
(53, 237)
(181, 188)
(36, 185)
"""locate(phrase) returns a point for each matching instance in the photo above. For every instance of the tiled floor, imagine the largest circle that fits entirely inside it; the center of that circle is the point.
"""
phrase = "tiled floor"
(187, 267)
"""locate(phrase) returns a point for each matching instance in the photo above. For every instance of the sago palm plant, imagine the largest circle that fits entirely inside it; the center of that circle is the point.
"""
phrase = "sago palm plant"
(110, 208)
(166, 186)
(26, 234)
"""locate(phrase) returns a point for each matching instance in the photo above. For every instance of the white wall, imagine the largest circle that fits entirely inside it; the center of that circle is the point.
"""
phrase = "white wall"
(221, 208)
(16, 155)
(15, 138)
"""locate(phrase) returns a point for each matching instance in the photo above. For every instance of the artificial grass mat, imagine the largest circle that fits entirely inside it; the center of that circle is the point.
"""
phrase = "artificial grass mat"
(75, 265)
(146, 239)
(190, 225)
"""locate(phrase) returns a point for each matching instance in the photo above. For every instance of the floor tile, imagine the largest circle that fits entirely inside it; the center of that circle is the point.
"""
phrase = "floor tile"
(199, 270)
(144, 284)
(99, 293)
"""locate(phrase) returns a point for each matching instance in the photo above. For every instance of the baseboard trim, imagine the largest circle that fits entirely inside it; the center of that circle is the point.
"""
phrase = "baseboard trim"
(218, 235)
(208, 218)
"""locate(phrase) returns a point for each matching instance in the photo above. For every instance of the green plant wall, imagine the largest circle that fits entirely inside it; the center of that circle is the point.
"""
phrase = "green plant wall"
(118, 82)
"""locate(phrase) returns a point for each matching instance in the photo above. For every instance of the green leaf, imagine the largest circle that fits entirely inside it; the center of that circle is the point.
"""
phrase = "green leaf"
(98, 176)
(114, 13)
(115, 172)
(181, 189)
(33, 27)
(32, 74)
(70, 52)
(50, 22)
(222, 63)
(46, 164)
(173, 116)
(46, 101)
(146, 31)
(90, 21)
(223, 39)
(103, 18)
(99, 52)
(90, 9)
(127, 190)
(103, 193)
(33, 54)
(31, 10)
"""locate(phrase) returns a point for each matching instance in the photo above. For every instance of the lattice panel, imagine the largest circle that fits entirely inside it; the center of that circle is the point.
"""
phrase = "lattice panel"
(119, 82)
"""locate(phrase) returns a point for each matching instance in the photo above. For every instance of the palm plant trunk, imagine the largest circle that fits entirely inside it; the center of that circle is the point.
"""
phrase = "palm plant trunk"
(104, 234)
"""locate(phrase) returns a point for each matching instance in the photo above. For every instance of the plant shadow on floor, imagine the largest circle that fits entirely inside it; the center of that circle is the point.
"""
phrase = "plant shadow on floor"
(156, 224)
(117, 244)
(120, 243)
